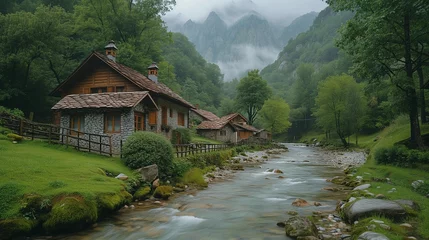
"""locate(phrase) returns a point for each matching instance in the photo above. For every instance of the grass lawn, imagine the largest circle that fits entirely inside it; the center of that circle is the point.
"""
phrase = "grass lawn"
(48, 170)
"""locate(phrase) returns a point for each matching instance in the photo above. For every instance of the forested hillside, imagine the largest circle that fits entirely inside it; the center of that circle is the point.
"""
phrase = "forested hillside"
(43, 41)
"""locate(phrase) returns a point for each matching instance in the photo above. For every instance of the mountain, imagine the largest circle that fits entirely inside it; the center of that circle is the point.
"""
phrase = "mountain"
(299, 25)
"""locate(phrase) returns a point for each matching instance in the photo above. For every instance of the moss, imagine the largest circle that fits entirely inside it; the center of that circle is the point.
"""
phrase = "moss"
(163, 192)
(195, 176)
(109, 202)
(15, 227)
(142, 194)
(70, 213)
(15, 137)
(395, 232)
(34, 205)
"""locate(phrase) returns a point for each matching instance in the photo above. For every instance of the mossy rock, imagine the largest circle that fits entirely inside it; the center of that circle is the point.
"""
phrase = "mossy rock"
(15, 137)
(163, 192)
(15, 227)
(237, 167)
(34, 205)
(142, 194)
(70, 213)
(195, 176)
(110, 202)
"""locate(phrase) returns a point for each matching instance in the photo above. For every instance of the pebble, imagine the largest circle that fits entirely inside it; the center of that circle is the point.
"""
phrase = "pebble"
(406, 226)
(132, 206)
(384, 226)
(377, 221)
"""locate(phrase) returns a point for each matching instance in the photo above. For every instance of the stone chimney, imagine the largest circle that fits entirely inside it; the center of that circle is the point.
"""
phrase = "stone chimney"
(111, 50)
(153, 72)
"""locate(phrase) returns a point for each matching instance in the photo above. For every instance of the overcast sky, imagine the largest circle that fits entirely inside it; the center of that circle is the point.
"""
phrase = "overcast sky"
(274, 10)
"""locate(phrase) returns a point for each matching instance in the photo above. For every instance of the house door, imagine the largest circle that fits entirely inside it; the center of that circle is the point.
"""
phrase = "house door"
(138, 122)
(164, 116)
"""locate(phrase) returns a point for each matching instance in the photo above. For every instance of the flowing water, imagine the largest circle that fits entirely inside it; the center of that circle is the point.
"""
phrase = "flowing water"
(246, 207)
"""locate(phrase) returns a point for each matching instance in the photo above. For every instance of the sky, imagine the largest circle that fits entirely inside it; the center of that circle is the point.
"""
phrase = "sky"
(274, 10)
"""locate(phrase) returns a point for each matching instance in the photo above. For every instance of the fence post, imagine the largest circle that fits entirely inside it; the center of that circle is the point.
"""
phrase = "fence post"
(67, 139)
(100, 146)
(32, 132)
(89, 142)
(50, 132)
(78, 141)
(110, 143)
(21, 125)
(120, 155)
(62, 135)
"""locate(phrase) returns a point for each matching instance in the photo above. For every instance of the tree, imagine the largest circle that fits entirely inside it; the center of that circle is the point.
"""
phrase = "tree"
(274, 115)
(388, 37)
(340, 106)
(252, 91)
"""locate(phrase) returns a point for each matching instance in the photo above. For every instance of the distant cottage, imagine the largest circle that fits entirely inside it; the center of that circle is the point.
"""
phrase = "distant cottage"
(104, 97)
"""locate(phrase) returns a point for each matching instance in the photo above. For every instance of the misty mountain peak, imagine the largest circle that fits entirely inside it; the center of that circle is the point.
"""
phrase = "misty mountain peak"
(213, 17)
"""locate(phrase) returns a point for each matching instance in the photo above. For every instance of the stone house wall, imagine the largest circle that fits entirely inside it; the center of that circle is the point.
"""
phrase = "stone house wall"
(172, 122)
(231, 136)
(193, 116)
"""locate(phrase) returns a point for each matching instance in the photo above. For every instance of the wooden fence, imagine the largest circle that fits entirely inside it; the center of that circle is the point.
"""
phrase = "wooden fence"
(183, 150)
(89, 142)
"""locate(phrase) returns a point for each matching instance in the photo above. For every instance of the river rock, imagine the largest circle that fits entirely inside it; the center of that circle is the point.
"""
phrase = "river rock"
(299, 202)
(281, 224)
(417, 184)
(372, 236)
(122, 176)
(292, 213)
(307, 238)
(406, 226)
(148, 173)
(317, 204)
(278, 171)
(155, 184)
(362, 187)
(369, 207)
(409, 203)
(300, 227)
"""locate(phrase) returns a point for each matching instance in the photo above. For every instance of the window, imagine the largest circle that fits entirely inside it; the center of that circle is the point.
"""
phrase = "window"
(153, 117)
(180, 119)
(120, 89)
(99, 90)
(222, 132)
(164, 115)
(171, 112)
(138, 122)
(77, 123)
(112, 123)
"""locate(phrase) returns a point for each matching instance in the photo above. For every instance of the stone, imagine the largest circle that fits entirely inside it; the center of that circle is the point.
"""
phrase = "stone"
(281, 177)
(345, 236)
(307, 238)
(292, 213)
(380, 196)
(362, 187)
(352, 199)
(377, 221)
(331, 189)
(300, 227)
(299, 202)
(132, 206)
(409, 203)
(122, 176)
(406, 226)
(317, 204)
(372, 236)
(278, 171)
(281, 224)
(384, 226)
(410, 238)
(370, 207)
(148, 173)
(155, 183)
(417, 184)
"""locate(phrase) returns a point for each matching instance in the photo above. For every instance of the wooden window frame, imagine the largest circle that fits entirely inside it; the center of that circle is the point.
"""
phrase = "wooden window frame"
(180, 119)
(80, 123)
(142, 125)
(164, 115)
(99, 90)
(155, 115)
(113, 115)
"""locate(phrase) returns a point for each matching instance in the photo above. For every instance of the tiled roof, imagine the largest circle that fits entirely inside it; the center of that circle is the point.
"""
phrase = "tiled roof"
(247, 127)
(220, 123)
(102, 100)
(206, 114)
(141, 80)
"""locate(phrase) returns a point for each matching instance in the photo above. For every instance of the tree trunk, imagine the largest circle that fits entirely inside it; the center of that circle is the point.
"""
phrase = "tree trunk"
(422, 95)
(416, 138)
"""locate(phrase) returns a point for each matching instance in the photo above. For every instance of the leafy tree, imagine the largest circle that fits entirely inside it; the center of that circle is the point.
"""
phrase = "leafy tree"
(274, 115)
(227, 106)
(340, 106)
(252, 91)
(388, 37)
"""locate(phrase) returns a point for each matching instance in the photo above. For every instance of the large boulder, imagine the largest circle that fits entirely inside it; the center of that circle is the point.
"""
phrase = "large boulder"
(372, 236)
(300, 227)
(149, 173)
(370, 207)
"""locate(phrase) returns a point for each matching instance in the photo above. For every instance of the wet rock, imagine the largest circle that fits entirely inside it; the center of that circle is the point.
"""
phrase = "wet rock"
(300, 227)
(278, 171)
(281, 177)
(370, 207)
(307, 238)
(122, 176)
(362, 187)
(317, 204)
(299, 202)
(281, 224)
(148, 173)
(376, 221)
(372, 236)
(380, 196)
(292, 213)
(406, 226)
(331, 189)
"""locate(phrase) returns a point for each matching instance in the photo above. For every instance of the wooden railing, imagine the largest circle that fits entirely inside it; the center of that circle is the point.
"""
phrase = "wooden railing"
(183, 150)
(82, 141)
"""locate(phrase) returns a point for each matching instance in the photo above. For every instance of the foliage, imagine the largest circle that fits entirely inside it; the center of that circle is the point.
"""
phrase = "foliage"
(340, 106)
(182, 134)
(10, 193)
(387, 38)
(163, 192)
(252, 91)
(401, 156)
(194, 176)
(423, 189)
(274, 115)
(179, 167)
(14, 112)
(14, 227)
(217, 158)
(142, 194)
(146, 148)
(109, 202)
(15, 137)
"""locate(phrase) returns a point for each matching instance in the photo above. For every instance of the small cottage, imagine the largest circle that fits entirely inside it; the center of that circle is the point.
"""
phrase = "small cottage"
(103, 96)
(198, 116)
(231, 128)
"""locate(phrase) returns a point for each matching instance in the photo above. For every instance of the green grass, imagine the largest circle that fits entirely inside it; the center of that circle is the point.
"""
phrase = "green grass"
(47, 170)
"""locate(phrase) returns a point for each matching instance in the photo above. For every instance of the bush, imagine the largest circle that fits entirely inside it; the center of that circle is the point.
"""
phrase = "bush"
(181, 136)
(401, 156)
(195, 176)
(146, 148)
(15, 137)
(180, 167)
(163, 192)
(14, 112)
(217, 158)
(423, 189)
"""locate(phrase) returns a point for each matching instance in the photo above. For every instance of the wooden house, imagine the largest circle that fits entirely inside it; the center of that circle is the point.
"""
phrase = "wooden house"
(105, 97)
(231, 128)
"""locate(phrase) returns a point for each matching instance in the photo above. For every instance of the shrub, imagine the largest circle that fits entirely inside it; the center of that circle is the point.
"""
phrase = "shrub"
(423, 189)
(401, 156)
(4, 131)
(146, 148)
(163, 192)
(179, 167)
(14, 137)
(195, 176)
(217, 158)
(142, 194)
(14, 112)
(181, 136)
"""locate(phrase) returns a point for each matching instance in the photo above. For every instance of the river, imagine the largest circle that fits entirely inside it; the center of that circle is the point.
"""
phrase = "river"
(245, 207)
